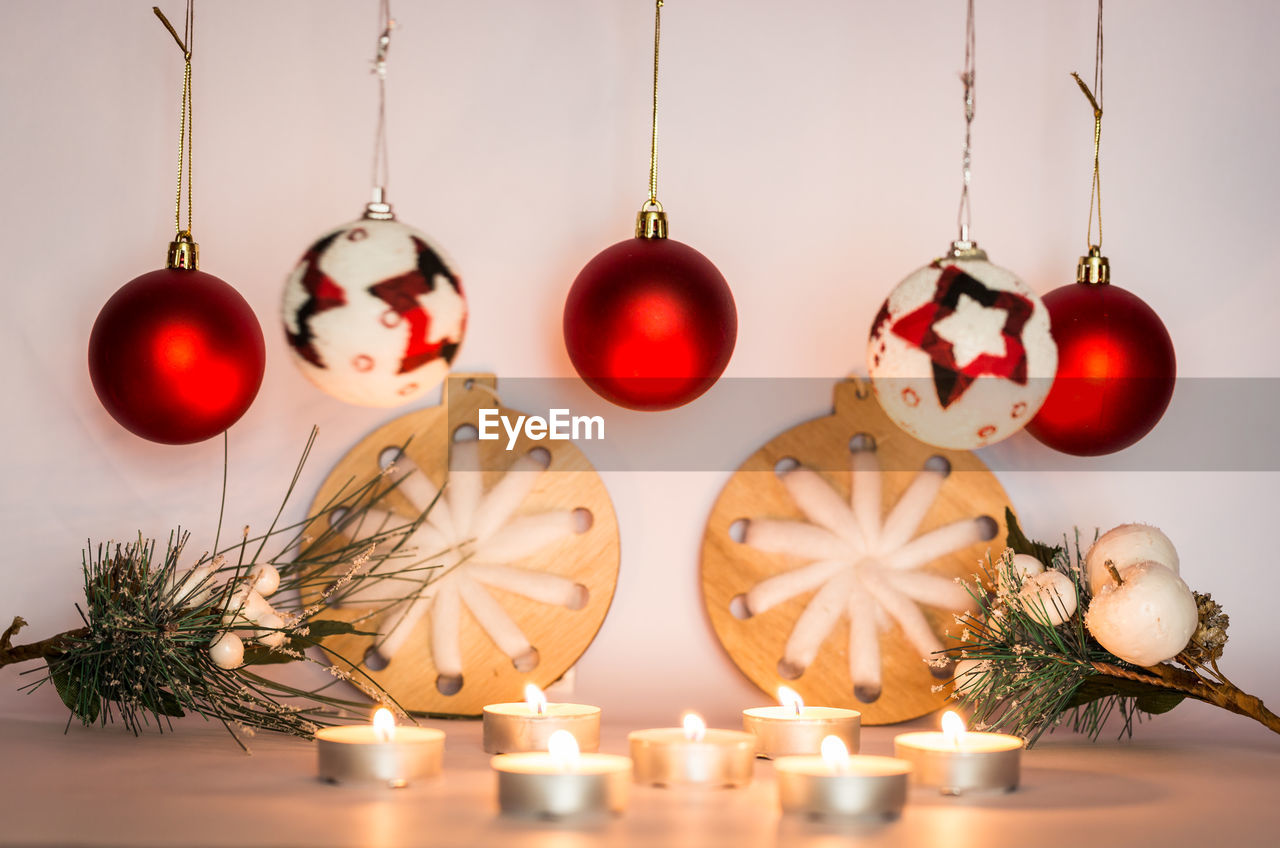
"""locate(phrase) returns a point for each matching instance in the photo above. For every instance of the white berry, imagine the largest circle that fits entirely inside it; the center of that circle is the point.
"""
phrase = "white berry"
(1026, 566)
(1147, 618)
(1126, 545)
(265, 579)
(227, 651)
(1049, 597)
(270, 633)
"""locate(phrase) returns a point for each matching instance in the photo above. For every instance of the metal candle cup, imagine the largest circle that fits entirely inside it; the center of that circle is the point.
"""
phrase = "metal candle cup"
(365, 754)
(518, 727)
(561, 786)
(970, 762)
(859, 787)
(692, 755)
(784, 731)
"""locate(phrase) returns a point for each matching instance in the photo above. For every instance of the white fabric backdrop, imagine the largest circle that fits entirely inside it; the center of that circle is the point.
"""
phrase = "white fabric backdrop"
(810, 149)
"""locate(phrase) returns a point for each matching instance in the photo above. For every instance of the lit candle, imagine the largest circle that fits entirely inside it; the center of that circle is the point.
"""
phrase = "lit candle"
(837, 785)
(379, 752)
(959, 761)
(561, 782)
(692, 754)
(528, 725)
(794, 728)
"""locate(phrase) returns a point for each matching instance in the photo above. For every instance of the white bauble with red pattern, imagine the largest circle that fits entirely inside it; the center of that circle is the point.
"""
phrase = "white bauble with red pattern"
(373, 314)
(960, 354)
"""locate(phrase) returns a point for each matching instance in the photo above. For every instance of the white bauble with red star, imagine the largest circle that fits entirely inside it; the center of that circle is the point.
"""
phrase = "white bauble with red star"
(373, 313)
(960, 354)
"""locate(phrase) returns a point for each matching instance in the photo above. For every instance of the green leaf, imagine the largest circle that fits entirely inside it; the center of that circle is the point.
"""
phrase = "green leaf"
(167, 704)
(317, 631)
(1156, 703)
(1020, 544)
(83, 702)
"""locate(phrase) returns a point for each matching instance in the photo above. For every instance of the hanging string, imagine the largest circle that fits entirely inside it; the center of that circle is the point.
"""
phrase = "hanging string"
(381, 160)
(653, 138)
(963, 215)
(1095, 100)
(185, 125)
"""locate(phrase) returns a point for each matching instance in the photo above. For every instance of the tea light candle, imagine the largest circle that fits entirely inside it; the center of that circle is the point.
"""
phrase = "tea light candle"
(692, 755)
(379, 752)
(527, 726)
(837, 785)
(561, 782)
(957, 761)
(794, 728)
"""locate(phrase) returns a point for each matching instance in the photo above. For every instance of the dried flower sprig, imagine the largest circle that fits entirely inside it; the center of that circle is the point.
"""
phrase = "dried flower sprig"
(1018, 673)
(143, 657)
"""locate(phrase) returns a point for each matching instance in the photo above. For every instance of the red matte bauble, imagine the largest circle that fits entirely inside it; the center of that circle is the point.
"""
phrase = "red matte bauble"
(1116, 370)
(650, 324)
(176, 356)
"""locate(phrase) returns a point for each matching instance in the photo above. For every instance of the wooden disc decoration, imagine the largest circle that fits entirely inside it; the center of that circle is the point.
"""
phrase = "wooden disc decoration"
(507, 571)
(831, 559)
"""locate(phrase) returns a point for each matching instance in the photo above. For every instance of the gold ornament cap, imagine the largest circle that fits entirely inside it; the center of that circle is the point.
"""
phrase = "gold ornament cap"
(965, 249)
(184, 253)
(1094, 269)
(378, 209)
(651, 221)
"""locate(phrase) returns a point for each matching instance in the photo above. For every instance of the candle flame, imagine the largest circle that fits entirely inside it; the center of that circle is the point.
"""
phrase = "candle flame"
(835, 754)
(384, 724)
(789, 697)
(535, 698)
(563, 748)
(694, 727)
(952, 727)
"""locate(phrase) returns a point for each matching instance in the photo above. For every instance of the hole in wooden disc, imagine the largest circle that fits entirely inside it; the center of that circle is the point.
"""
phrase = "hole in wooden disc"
(738, 607)
(336, 516)
(862, 442)
(466, 433)
(388, 457)
(581, 595)
(527, 661)
(374, 660)
(738, 530)
(542, 456)
(582, 520)
(788, 670)
(448, 684)
(938, 463)
(988, 527)
(787, 463)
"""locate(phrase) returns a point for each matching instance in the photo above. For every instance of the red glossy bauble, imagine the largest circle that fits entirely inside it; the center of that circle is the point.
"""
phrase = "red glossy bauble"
(176, 356)
(1116, 369)
(650, 324)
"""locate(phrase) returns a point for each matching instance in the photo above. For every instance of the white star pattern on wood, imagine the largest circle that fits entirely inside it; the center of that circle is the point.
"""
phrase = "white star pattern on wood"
(472, 538)
(973, 329)
(861, 565)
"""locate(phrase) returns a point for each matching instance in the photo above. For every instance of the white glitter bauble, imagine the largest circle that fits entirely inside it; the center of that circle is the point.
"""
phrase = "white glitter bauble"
(1147, 619)
(1124, 546)
(960, 354)
(227, 651)
(373, 314)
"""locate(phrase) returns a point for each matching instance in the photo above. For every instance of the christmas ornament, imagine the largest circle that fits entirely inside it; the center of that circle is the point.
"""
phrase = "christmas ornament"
(1116, 363)
(650, 323)
(960, 354)
(1145, 616)
(1126, 545)
(506, 572)
(1029, 661)
(160, 642)
(831, 559)
(373, 313)
(176, 356)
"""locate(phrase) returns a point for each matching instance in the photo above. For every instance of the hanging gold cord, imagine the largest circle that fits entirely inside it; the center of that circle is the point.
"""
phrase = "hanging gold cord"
(1093, 268)
(652, 221)
(183, 252)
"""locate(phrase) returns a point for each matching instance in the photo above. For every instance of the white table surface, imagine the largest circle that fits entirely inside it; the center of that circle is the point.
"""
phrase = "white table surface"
(1196, 777)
